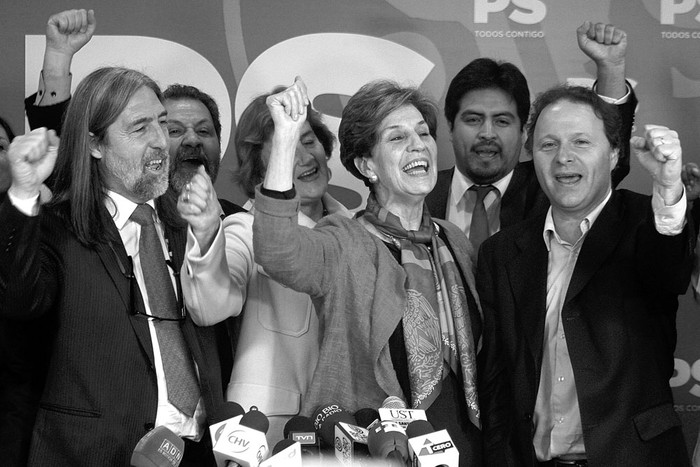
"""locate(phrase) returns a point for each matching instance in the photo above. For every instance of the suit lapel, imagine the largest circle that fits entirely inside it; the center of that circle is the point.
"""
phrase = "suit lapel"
(438, 198)
(597, 246)
(115, 259)
(528, 277)
(513, 203)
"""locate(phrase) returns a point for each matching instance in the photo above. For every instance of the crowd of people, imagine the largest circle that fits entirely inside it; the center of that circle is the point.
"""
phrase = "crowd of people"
(527, 307)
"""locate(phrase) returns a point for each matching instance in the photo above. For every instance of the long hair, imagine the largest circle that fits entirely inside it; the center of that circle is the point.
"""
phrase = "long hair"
(98, 101)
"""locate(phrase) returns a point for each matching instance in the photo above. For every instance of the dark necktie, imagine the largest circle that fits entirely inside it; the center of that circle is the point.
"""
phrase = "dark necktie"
(479, 230)
(180, 376)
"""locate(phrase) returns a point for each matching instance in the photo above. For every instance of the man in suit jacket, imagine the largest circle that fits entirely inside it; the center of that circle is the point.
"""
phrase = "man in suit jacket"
(580, 303)
(487, 106)
(78, 260)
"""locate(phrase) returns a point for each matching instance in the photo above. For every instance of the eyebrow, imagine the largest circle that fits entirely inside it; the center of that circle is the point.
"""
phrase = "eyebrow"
(308, 133)
(142, 120)
(398, 126)
(482, 112)
(204, 121)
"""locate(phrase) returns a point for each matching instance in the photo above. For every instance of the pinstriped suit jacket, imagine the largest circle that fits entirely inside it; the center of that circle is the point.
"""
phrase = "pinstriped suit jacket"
(100, 395)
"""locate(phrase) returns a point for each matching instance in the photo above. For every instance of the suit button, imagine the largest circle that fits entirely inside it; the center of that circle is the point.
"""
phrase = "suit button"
(149, 426)
(527, 417)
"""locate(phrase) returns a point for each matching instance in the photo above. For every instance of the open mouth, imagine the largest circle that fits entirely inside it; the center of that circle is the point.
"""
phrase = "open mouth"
(308, 174)
(487, 151)
(155, 165)
(568, 179)
(418, 167)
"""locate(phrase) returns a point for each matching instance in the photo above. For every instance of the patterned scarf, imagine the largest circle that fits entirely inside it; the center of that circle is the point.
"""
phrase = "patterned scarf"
(436, 321)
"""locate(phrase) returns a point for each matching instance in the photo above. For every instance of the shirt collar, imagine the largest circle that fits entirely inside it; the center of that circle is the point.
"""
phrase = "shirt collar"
(586, 224)
(461, 183)
(121, 208)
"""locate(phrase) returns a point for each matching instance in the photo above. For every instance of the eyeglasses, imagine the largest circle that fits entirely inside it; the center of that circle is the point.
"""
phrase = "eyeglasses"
(134, 289)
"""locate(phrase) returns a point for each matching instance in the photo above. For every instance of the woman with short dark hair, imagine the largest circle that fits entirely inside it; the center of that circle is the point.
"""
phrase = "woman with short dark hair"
(393, 288)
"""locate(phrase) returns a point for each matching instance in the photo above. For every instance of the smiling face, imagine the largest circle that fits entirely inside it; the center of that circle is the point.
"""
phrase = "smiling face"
(573, 158)
(404, 159)
(311, 174)
(193, 140)
(134, 152)
(486, 135)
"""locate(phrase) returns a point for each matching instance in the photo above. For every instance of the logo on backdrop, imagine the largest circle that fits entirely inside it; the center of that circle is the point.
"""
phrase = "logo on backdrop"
(524, 11)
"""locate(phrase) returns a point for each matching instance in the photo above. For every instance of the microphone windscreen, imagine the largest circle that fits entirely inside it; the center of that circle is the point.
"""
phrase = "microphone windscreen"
(227, 411)
(365, 417)
(419, 428)
(325, 418)
(298, 423)
(394, 402)
(160, 447)
(282, 445)
(388, 441)
(255, 420)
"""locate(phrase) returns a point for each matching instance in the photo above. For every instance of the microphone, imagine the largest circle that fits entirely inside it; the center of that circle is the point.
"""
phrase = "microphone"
(430, 448)
(287, 453)
(325, 418)
(394, 409)
(229, 412)
(367, 418)
(389, 441)
(351, 444)
(160, 447)
(243, 443)
(301, 429)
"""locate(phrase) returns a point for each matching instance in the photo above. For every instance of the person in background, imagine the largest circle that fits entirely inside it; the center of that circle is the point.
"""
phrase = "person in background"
(102, 261)
(487, 106)
(393, 288)
(278, 344)
(22, 357)
(580, 302)
(66, 33)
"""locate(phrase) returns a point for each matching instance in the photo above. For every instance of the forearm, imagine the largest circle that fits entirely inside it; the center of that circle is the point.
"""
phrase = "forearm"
(213, 291)
(611, 79)
(27, 286)
(297, 257)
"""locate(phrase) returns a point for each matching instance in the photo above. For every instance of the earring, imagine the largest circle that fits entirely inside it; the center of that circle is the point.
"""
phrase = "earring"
(373, 178)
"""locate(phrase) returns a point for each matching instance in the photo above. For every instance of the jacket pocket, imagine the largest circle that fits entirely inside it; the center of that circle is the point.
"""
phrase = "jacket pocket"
(281, 309)
(656, 420)
(62, 409)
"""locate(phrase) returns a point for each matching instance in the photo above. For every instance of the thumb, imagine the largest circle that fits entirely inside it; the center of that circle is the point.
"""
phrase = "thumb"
(638, 143)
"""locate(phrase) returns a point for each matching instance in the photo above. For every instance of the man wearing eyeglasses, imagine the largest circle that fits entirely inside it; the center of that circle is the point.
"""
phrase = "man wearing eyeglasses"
(101, 260)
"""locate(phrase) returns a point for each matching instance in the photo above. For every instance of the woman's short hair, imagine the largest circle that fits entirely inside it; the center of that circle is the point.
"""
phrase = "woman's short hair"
(578, 95)
(254, 128)
(364, 113)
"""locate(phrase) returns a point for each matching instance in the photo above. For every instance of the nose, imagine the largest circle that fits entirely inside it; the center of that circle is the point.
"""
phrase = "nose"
(302, 156)
(486, 130)
(564, 155)
(160, 137)
(416, 143)
(190, 138)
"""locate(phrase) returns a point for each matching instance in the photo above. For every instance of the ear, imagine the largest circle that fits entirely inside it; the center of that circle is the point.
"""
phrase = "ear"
(614, 156)
(95, 148)
(364, 165)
